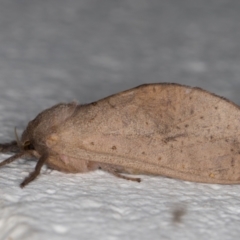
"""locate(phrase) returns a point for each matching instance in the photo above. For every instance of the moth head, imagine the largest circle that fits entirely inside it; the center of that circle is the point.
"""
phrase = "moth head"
(24, 145)
(27, 145)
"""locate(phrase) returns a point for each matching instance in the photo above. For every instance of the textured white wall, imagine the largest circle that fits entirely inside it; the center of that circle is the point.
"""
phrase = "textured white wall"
(52, 51)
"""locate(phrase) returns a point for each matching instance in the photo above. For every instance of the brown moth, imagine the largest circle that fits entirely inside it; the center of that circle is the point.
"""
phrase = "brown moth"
(162, 129)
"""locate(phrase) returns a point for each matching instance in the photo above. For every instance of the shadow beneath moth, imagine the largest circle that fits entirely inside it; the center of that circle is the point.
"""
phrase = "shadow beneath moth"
(161, 129)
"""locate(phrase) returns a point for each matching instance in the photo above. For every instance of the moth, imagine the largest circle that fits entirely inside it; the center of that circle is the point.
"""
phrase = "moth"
(162, 129)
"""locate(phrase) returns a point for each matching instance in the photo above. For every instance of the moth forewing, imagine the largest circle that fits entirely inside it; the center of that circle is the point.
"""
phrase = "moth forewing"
(162, 129)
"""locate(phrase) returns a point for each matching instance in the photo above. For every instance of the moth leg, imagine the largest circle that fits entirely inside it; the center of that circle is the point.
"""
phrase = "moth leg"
(125, 177)
(13, 158)
(36, 172)
(9, 147)
(113, 170)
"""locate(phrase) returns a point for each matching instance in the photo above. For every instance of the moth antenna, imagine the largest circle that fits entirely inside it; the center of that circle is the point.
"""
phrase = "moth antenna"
(17, 138)
(13, 158)
(9, 147)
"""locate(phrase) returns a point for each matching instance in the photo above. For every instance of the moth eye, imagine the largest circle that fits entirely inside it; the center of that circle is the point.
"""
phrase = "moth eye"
(28, 146)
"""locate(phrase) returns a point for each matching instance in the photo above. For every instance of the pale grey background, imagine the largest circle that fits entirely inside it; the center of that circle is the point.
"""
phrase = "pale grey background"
(55, 50)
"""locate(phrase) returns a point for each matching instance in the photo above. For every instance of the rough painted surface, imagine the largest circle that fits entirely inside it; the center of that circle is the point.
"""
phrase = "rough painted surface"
(84, 50)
